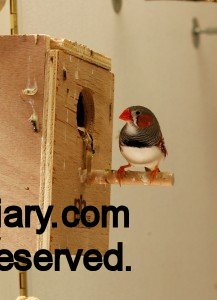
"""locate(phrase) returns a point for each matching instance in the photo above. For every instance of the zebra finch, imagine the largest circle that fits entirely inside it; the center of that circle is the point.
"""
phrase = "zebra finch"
(141, 141)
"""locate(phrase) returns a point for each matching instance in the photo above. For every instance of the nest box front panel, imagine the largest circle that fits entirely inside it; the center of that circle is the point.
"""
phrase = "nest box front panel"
(83, 97)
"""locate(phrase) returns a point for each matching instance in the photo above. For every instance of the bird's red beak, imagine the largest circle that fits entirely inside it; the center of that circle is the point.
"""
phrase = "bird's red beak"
(126, 115)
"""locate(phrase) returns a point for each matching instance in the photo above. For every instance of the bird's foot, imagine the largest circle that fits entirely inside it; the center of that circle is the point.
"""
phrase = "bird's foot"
(153, 174)
(121, 173)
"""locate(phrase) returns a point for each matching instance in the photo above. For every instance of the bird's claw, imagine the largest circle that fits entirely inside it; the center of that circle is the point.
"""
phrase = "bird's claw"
(120, 174)
(153, 174)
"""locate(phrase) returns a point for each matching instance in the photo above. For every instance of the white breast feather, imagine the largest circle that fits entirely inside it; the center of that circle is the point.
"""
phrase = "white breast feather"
(149, 157)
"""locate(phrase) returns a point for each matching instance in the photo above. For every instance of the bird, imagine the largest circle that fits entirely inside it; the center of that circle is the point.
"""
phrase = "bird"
(141, 141)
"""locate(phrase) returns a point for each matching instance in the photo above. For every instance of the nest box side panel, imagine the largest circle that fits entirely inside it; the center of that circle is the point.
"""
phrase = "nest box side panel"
(22, 63)
(75, 79)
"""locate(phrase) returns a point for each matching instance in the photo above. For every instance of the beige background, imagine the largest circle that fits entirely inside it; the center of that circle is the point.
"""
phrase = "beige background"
(172, 240)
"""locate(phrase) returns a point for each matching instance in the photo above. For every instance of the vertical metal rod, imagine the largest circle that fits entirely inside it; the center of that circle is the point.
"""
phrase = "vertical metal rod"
(14, 18)
(23, 283)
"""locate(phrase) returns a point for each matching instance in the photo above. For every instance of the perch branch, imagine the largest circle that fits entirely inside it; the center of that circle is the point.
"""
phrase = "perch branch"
(130, 178)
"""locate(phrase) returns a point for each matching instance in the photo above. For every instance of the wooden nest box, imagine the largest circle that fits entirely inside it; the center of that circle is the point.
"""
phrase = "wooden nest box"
(56, 112)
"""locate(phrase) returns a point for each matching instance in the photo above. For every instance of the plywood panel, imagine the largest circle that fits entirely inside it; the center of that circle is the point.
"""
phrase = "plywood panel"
(21, 59)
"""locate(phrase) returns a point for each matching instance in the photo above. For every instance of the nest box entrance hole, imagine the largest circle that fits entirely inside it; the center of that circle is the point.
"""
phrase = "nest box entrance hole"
(85, 119)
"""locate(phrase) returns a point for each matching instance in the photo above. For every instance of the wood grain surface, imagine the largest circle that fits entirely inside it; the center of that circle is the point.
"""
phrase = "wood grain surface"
(96, 177)
(68, 154)
(20, 151)
(81, 51)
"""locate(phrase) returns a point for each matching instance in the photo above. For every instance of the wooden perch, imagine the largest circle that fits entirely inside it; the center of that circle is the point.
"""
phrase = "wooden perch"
(130, 178)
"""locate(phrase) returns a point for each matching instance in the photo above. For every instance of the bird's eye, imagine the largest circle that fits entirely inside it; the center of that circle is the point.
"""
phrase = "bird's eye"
(137, 112)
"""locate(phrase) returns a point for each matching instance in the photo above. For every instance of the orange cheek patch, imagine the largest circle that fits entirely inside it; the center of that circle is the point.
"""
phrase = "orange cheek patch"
(144, 121)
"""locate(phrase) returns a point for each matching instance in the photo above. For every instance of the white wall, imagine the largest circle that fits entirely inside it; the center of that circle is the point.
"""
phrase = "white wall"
(172, 240)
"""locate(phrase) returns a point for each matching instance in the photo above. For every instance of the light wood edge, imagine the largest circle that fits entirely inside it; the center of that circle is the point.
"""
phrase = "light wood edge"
(82, 52)
(46, 171)
(72, 48)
